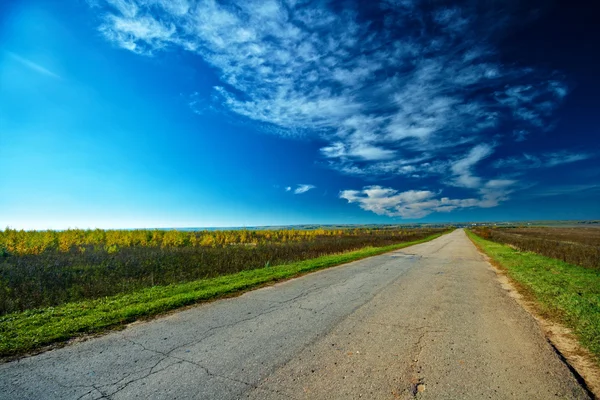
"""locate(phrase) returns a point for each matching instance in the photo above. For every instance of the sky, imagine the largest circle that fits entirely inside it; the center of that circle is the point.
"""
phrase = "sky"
(184, 113)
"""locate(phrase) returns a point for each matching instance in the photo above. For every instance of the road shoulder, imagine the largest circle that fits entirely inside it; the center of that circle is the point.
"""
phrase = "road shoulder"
(578, 359)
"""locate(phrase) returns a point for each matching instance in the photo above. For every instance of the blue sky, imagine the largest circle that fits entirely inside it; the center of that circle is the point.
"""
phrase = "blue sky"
(156, 113)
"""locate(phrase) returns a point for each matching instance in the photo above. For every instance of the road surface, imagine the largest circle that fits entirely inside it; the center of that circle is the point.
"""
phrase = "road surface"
(428, 322)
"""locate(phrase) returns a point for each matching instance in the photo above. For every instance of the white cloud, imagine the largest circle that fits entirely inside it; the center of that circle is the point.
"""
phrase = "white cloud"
(288, 188)
(561, 190)
(373, 94)
(303, 188)
(420, 203)
(546, 160)
(408, 204)
(495, 191)
(371, 153)
(33, 66)
(562, 157)
(462, 168)
(386, 100)
(140, 34)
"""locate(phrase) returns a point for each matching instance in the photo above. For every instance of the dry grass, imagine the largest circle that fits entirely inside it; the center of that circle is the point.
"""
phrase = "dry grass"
(80, 265)
(25, 331)
(579, 246)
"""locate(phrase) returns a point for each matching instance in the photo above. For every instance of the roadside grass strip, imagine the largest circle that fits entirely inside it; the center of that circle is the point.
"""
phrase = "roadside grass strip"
(25, 331)
(564, 292)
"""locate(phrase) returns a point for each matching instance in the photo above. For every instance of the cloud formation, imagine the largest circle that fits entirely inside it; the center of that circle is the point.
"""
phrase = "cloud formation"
(303, 188)
(408, 204)
(415, 90)
(420, 203)
(462, 168)
(33, 66)
(547, 160)
(305, 67)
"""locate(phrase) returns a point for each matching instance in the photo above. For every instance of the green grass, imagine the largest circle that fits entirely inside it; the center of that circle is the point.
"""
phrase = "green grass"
(564, 292)
(22, 332)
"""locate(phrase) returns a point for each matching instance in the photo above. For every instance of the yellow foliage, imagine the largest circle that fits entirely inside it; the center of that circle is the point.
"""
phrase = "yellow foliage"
(35, 242)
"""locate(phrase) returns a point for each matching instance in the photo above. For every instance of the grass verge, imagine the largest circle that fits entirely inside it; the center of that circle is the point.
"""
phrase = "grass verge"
(563, 292)
(29, 330)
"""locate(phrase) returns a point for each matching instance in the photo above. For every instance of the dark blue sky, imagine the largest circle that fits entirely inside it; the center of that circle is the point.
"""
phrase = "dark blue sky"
(156, 113)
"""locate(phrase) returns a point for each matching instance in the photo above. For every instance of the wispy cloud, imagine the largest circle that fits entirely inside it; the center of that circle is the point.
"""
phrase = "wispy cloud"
(33, 66)
(547, 160)
(413, 92)
(288, 188)
(561, 190)
(303, 188)
(463, 167)
(372, 92)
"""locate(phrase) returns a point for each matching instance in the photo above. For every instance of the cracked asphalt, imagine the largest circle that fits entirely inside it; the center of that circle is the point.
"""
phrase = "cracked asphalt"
(429, 322)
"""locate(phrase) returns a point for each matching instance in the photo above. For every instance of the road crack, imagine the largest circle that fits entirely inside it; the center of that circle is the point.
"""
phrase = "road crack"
(153, 370)
(414, 371)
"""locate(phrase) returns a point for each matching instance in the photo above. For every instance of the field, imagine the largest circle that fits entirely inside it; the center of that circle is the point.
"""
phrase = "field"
(563, 291)
(138, 294)
(579, 246)
(49, 268)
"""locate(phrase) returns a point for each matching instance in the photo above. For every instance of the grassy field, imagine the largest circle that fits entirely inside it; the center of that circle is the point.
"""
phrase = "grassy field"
(580, 246)
(49, 268)
(564, 292)
(27, 330)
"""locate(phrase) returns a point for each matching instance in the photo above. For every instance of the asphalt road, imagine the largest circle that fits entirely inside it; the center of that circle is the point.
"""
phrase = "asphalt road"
(428, 322)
